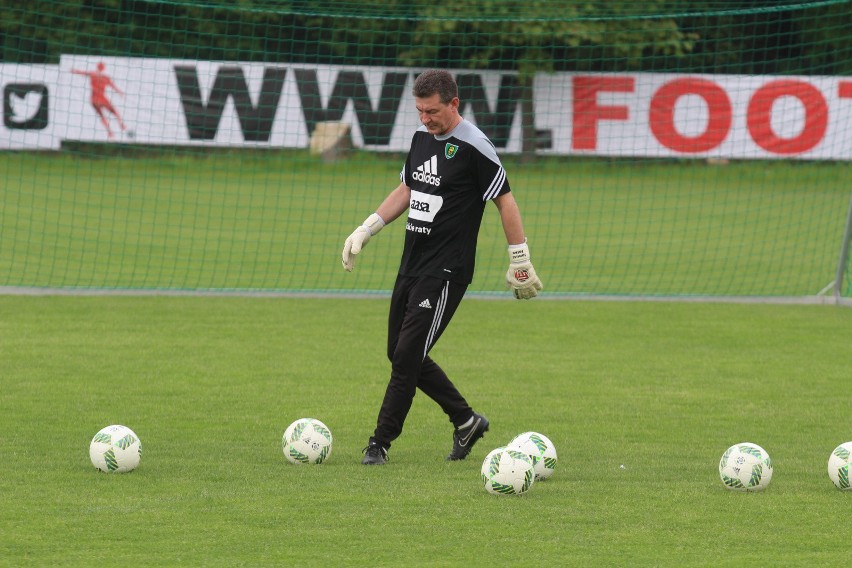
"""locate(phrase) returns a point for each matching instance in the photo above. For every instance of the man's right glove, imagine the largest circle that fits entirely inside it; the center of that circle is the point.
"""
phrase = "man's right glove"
(359, 237)
(521, 276)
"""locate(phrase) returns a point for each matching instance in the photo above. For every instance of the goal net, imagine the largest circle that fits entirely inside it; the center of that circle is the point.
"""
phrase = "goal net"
(656, 149)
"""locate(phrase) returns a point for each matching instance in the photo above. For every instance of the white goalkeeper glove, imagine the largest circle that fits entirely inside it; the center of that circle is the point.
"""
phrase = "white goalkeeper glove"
(521, 276)
(359, 237)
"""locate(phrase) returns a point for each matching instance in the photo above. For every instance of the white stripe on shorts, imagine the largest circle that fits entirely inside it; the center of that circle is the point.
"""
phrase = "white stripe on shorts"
(436, 320)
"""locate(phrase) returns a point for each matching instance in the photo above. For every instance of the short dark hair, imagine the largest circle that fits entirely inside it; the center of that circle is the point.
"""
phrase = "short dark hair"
(435, 81)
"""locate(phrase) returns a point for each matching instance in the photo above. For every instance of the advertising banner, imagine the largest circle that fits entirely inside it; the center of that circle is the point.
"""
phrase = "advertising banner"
(208, 103)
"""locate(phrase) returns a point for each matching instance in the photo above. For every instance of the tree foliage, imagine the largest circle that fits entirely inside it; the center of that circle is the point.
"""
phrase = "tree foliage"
(705, 36)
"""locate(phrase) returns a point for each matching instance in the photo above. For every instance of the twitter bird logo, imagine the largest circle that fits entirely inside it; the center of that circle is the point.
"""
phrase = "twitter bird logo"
(25, 106)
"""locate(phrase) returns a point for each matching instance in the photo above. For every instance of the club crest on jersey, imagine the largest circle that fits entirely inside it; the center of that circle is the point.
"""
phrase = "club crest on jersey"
(450, 150)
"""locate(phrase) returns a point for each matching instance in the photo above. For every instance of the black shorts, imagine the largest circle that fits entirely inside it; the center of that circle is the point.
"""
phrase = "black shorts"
(421, 307)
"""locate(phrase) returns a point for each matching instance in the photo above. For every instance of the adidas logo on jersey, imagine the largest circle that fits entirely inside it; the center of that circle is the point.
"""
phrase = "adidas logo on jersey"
(428, 172)
(425, 304)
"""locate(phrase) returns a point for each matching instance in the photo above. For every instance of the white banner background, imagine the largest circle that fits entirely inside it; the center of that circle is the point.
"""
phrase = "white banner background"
(617, 114)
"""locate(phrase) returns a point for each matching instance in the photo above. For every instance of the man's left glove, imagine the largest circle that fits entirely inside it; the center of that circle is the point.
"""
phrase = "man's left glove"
(359, 237)
(521, 276)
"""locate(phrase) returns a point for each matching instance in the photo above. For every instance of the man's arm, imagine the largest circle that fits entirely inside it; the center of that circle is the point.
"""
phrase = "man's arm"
(395, 203)
(521, 276)
(392, 207)
(115, 88)
(510, 215)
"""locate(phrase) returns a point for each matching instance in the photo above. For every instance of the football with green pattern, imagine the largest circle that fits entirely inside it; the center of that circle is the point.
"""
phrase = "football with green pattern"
(507, 472)
(541, 451)
(838, 465)
(115, 449)
(745, 467)
(307, 441)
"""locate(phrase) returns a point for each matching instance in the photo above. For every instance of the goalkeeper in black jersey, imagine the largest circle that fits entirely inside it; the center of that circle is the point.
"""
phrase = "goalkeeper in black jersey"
(451, 171)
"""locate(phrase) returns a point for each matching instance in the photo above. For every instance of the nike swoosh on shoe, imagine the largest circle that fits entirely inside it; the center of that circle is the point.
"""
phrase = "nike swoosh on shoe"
(463, 440)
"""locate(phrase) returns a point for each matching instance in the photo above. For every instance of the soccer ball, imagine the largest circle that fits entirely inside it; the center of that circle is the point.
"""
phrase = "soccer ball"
(115, 449)
(541, 451)
(745, 467)
(507, 472)
(307, 441)
(838, 465)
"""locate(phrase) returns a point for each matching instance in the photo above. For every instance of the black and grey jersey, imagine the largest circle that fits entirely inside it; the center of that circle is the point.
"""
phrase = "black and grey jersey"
(451, 178)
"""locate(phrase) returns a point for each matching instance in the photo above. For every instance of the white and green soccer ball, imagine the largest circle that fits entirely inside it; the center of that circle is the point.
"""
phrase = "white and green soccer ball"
(307, 441)
(115, 449)
(838, 465)
(507, 472)
(540, 449)
(745, 467)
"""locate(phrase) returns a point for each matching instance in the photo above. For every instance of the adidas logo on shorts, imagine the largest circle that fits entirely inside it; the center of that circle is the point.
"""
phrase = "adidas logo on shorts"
(425, 304)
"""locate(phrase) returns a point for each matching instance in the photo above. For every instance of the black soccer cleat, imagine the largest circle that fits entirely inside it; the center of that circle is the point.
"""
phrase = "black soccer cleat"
(375, 454)
(465, 438)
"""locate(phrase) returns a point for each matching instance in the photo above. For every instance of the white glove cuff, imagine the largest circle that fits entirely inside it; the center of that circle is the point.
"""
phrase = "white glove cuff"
(374, 223)
(519, 253)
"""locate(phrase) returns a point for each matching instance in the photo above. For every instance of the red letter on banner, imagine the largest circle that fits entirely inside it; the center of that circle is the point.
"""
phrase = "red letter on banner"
(760, 117)
(587, 112)
(844, 90)
(662, 115)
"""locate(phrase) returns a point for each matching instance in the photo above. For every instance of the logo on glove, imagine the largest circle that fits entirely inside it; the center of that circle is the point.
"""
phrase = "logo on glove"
(521, 275)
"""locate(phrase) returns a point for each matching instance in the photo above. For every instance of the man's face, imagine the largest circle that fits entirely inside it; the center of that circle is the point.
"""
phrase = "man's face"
(437, 117)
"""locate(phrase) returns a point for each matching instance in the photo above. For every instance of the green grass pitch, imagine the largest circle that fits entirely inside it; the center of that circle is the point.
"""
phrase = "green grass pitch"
(278, 220)
(209, 384)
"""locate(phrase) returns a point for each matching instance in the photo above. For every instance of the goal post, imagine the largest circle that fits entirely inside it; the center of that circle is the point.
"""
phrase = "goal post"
(657, 149)
(842, 284)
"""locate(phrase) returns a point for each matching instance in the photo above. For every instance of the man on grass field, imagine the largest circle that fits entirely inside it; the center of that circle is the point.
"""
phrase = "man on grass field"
(451, 170)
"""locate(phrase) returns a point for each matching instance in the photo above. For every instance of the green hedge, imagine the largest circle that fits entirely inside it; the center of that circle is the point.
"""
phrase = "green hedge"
(699, 37)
